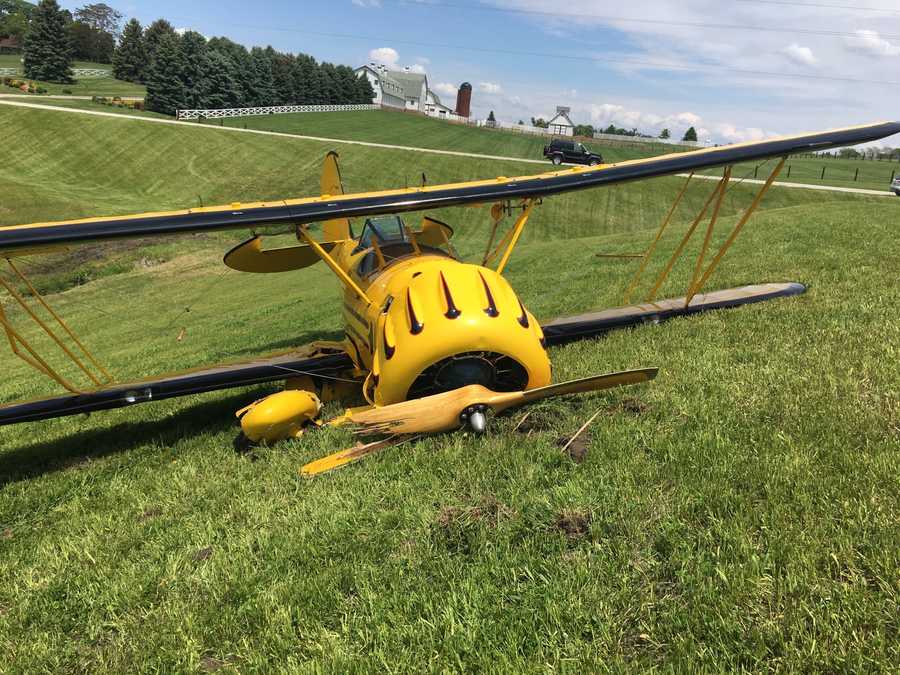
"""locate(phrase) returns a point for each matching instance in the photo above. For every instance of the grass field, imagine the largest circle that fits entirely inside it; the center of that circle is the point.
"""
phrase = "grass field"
(413, 130)
(740, 513)
(398, 128)
(88, 86)
(853, 173)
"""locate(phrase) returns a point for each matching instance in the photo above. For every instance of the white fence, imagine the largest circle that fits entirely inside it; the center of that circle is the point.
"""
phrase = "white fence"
(91, 72)
(644, 139)
(83, 73)
(270, 110)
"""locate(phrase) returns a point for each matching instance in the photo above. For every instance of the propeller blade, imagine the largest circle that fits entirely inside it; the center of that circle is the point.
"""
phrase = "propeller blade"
(354, 454)
(441, 412)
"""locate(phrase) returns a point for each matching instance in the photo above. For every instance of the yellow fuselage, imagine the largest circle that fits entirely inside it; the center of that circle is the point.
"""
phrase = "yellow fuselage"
(432, 323)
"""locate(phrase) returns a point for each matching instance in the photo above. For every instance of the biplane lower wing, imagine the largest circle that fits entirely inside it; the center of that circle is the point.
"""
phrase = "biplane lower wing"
(227, 376)
(560, 331)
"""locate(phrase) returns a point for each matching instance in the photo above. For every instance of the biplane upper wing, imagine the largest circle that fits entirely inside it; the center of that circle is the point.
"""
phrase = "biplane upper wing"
(259, 370)
(22, 239)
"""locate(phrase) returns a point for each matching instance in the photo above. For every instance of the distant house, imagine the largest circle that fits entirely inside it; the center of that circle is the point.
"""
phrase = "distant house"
(561, 125)
(434, 107)
(9, 45)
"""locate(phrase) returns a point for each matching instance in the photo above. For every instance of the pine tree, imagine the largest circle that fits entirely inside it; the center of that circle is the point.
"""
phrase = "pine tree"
(47, 53)
(264, 78)
(154, 33)
(665, 134)
(193, 68)
(365, 93)
(130, 59)
(220, 88)
(690, 135)
(165, 88)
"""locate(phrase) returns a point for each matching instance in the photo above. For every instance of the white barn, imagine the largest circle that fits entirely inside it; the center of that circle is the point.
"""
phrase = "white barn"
(388, 91)
(561, 125)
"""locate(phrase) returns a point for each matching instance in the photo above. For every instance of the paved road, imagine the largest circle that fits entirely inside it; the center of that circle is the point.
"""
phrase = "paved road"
(155, 120)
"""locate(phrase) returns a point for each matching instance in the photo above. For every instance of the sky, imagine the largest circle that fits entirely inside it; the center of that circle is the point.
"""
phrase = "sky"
(736, 70)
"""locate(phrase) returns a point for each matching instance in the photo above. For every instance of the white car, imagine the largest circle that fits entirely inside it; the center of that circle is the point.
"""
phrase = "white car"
(895, 186)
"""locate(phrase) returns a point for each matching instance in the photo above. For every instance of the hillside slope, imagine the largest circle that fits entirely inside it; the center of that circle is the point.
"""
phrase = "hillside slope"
(739, 513)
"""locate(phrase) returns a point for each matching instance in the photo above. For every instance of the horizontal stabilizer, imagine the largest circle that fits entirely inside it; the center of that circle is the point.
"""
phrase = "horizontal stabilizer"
(249, 256)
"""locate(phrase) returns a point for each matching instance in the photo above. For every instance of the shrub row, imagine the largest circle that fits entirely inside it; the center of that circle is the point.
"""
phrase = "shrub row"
(24, 85)
(117, 102)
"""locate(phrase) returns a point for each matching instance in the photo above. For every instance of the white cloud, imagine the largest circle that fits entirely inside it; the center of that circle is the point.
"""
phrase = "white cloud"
(742, 82)
(367, 3)
(870, 42)
(417, 68)
(801, 55)
(489, 88)
(386, 55)
(424, 60)
(445, 88)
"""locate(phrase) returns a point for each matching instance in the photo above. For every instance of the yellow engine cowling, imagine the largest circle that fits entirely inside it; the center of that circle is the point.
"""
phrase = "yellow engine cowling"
(442, 324)
(279, 416)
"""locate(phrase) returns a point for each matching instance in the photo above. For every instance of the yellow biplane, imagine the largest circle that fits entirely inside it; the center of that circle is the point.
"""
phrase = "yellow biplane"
(432, 343)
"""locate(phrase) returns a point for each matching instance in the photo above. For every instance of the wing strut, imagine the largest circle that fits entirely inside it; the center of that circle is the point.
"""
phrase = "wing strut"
(699, 276)
(33, 358)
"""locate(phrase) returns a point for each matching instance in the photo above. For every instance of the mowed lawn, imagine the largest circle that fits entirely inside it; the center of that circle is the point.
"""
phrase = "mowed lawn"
(740, 512)
(87, 86)
(853, 173)
(400, 128)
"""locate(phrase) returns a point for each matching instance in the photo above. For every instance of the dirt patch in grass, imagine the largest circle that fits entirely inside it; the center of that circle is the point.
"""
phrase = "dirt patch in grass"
(634, 406)
(457, 527)
(577, 449)
(211, 664)
(575, 524)
(203, 554)
(150, 514)
(7, 533)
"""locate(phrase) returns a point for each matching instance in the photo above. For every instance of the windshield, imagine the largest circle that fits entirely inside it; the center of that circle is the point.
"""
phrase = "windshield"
(387, 229)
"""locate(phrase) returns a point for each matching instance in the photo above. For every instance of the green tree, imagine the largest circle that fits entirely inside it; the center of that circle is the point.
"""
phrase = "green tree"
(220, 88)
(665, 133)
(14, 18)
(47, 53)
(155, 32)
(540, 122)
(165, 88)
(365, 93)
(690, 135)
(263, 79)
(91, 44)
(193, 68)
(584, 130)
(101, 17)
(130, 59)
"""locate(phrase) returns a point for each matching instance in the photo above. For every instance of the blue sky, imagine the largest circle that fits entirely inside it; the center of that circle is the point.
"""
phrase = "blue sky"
(646, 63)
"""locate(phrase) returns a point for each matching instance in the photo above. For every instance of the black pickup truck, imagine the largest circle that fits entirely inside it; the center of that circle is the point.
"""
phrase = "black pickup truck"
(560, 151)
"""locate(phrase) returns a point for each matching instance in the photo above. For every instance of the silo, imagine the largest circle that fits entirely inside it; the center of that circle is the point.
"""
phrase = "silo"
(464, 99)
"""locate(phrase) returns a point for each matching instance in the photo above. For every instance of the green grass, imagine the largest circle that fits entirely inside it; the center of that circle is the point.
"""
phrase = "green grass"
(398, 128)
(853, 173)
(739, 513)
(88, 86)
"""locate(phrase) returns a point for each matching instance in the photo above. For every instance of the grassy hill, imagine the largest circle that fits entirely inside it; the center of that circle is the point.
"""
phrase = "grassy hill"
(88, 86)
(399, 128)
(738, 513)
